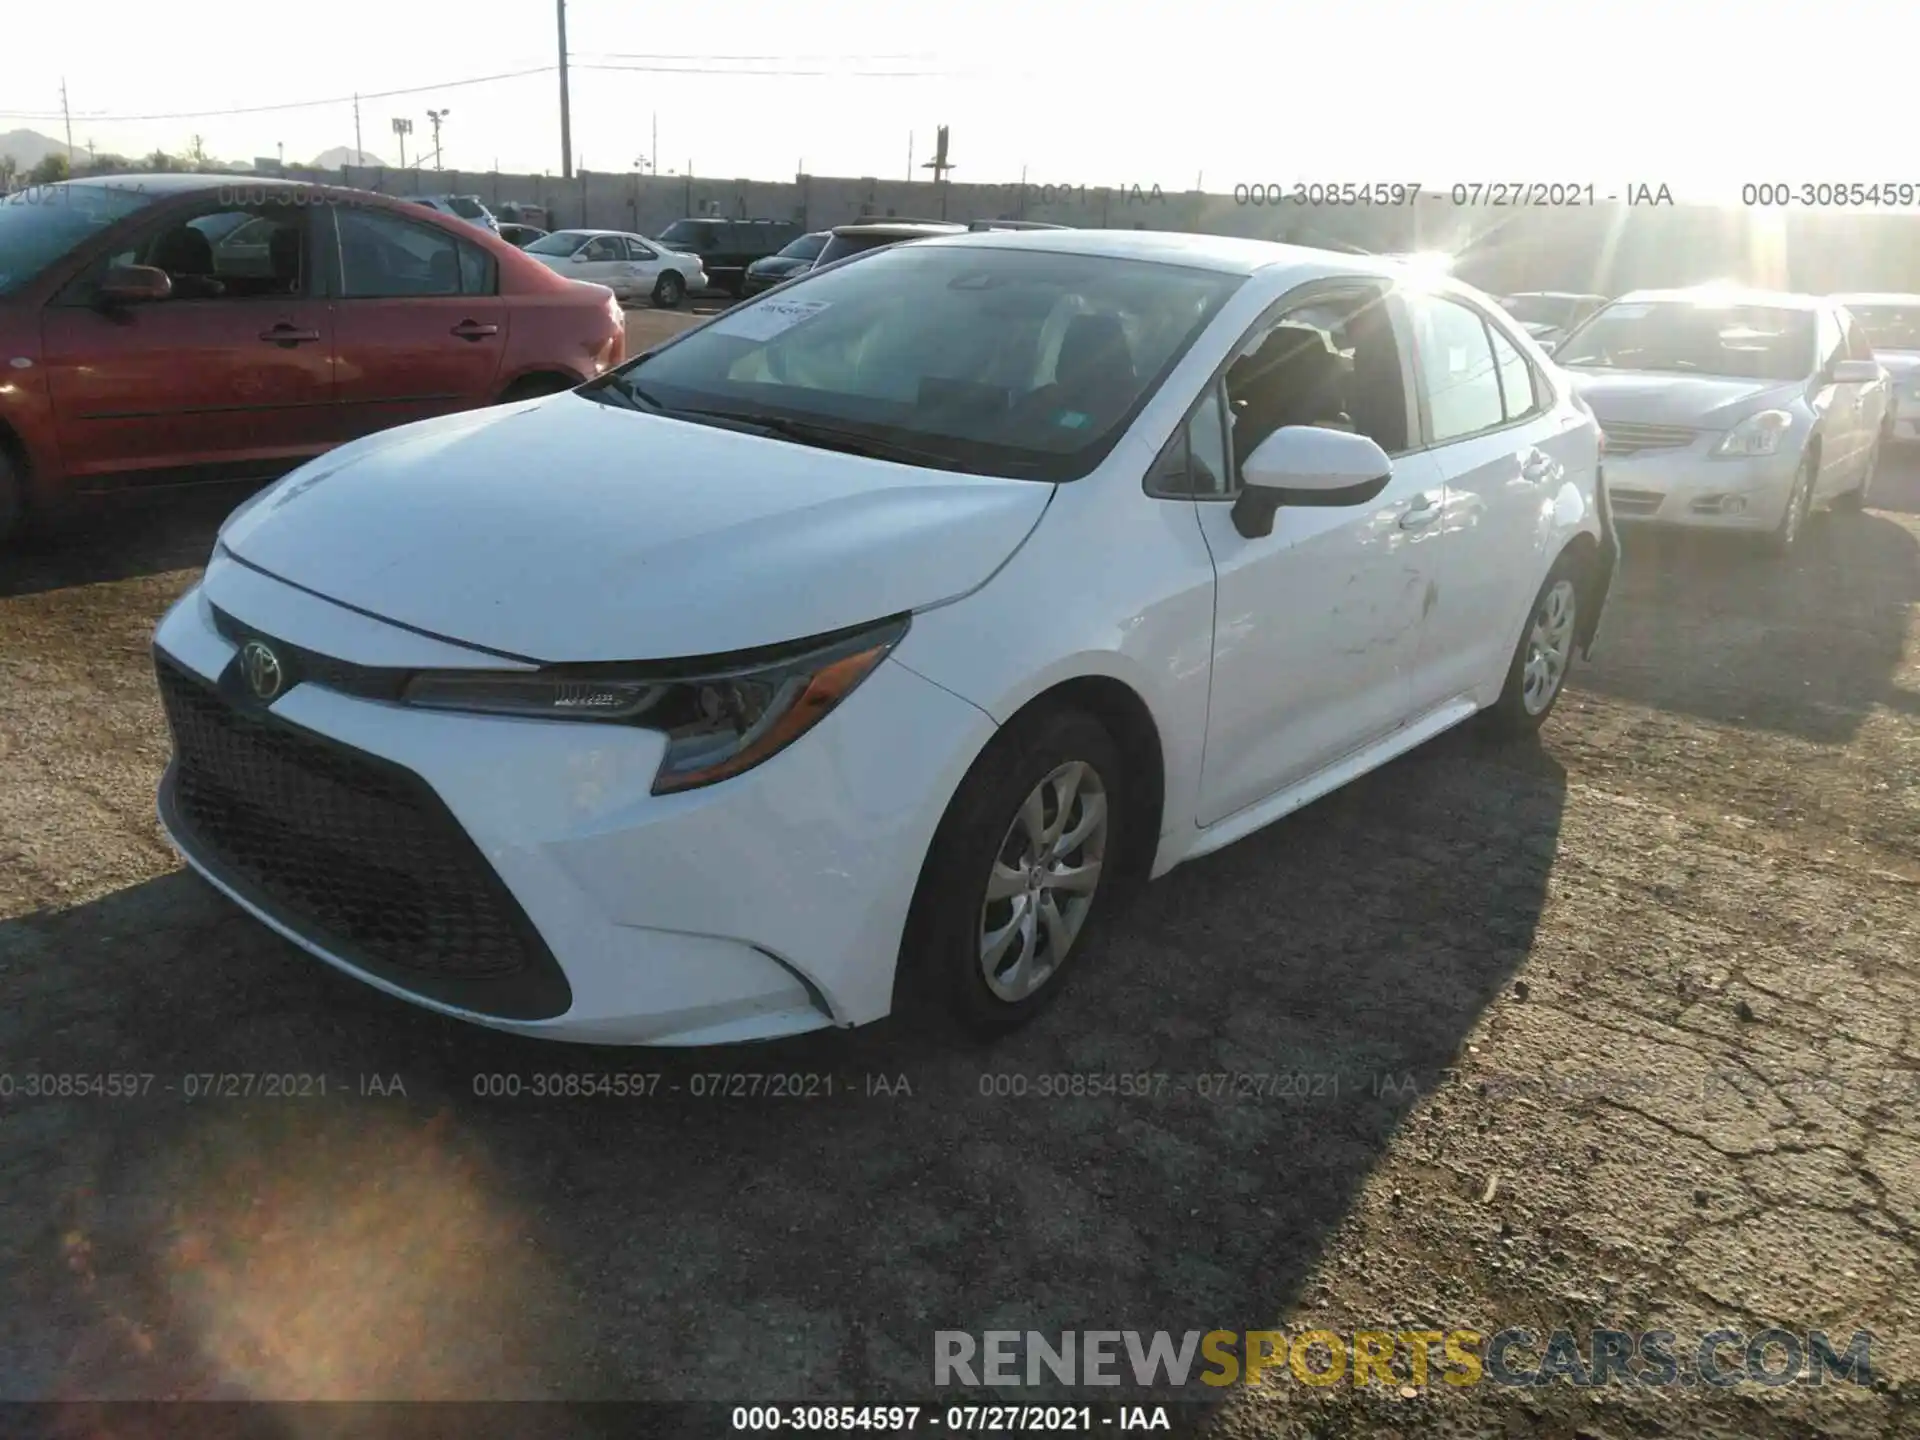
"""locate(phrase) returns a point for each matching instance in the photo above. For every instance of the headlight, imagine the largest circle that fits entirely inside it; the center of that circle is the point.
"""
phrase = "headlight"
(719, 720)
(1756, 435)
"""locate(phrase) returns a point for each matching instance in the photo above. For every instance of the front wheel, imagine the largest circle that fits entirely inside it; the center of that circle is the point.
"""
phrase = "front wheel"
(1784, 538)
(1538, 670)
(670, 290)
(1017, 876)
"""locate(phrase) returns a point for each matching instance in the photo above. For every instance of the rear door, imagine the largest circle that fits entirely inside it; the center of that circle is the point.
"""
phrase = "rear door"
(231, 376)
(419, 325)
(1486, 417)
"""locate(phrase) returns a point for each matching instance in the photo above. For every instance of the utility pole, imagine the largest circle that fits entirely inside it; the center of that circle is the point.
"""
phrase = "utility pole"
(359, 150)
(436, 116)
(566, 109)
(68, 114)
(653, 155)
(403, 128)
(909, 157)
(940, 166)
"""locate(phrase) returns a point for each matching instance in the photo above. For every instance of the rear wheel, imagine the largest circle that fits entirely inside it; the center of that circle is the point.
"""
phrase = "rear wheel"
(531, 387)
(1538, 670)
(1015, 882)
(670, 289)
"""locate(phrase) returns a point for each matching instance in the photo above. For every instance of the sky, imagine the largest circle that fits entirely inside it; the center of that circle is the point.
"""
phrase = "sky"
(1688, 93)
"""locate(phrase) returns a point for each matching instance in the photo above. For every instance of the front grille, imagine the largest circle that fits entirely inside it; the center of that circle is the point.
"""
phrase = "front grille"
(351, 851)
(1633, 502)
(1624, 437)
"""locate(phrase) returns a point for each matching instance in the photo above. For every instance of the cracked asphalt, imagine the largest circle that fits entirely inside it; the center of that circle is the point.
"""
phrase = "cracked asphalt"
(1614, 1030)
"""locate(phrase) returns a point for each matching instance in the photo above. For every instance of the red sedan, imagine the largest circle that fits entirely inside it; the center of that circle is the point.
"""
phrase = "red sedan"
(169, 329)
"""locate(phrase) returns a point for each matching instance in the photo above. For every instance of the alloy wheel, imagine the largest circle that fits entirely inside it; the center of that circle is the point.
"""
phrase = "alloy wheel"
(1797, 506)
(1042, 884)
(1549, 647)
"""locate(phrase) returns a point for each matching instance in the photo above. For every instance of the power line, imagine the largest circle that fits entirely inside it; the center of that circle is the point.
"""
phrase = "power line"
(716, 70)
(100, 119)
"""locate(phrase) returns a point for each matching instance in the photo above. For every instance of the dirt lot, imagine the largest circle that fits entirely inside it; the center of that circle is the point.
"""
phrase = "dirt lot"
(1619, 1030)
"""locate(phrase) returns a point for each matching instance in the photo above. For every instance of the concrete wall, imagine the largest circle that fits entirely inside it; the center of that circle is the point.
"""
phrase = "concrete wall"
(1607, 249)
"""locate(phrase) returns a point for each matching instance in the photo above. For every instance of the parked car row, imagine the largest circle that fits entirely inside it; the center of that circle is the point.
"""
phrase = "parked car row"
(842, 764)
(156, 332)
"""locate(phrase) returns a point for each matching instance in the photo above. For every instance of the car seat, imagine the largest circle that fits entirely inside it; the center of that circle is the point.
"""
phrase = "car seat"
(283, 258)
(1296, 377)
(187, 257)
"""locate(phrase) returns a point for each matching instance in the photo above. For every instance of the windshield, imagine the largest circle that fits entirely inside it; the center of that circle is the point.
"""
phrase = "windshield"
(40, 224)
(1012, 362)
(838, 247)
(1746, 342)
(1542, 309)
(807, 247)
(1889, 327)
(466, 207)
(561, 242)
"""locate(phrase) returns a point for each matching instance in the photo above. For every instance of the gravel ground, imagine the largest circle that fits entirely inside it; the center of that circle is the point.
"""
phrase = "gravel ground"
(1615, 1030)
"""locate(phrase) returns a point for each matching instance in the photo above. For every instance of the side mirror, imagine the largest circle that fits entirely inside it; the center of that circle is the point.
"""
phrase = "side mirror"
(1855, 372)
(134, 285)
(1308, 466)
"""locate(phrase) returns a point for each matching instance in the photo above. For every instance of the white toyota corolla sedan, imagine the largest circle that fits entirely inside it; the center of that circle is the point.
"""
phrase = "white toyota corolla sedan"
(854, 651)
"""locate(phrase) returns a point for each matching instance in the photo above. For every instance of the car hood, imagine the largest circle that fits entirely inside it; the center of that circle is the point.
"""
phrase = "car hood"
(561, 529)
(1703, 402)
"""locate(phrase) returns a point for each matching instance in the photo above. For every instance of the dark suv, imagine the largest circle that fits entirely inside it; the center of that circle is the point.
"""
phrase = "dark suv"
(728, 247)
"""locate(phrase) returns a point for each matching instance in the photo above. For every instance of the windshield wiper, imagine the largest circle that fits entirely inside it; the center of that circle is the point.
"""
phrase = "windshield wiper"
(830, 437)
(631, 395)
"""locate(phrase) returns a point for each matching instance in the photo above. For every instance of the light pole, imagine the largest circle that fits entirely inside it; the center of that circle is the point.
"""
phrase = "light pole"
(403, 128)
(566, 110)
(435, 117)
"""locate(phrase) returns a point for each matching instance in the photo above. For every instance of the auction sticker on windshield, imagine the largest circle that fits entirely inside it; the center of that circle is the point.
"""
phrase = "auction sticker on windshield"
(768, 318)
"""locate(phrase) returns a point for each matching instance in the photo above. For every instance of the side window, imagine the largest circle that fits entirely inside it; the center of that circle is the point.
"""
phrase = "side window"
(1519, 388)
(604, 247)
(1833, 344)
(1857, 345)
(385, 257)
(232, 252)
(1194, 461)
(638, 251)
(478, 275)
(1333, 362)
(1457, 365)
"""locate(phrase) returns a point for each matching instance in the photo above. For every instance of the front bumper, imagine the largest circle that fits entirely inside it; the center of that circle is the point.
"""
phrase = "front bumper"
(1685, 486)
(770, 904)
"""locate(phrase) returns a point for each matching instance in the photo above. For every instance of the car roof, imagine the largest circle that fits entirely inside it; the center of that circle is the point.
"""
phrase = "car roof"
(174, 182)
(1875, 297)
(1553, 295)
(1224, 253)
(900, 227)
(1726, 295)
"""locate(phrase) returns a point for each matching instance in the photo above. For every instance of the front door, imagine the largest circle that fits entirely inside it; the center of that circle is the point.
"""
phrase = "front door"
(419, 326)
(232, 375)
(1316, 626)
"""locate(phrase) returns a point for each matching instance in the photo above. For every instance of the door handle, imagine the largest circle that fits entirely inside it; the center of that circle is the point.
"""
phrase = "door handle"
(1538, 465)
(287, 336)
(1422, 513)
(474, 330)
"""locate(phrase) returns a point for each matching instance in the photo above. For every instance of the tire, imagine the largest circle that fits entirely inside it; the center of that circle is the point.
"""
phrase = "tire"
(669, 290)
(13, 499)
(1544, 654)
(1784, 538)
(958, 930)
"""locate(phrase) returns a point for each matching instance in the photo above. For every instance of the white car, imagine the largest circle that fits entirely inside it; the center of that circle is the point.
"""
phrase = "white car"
(1730, 409)
(631, 266)
(857, 649)
(1892, 326)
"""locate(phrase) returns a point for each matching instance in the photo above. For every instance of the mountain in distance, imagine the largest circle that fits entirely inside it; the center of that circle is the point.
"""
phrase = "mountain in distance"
(29, 147)
(346, 155)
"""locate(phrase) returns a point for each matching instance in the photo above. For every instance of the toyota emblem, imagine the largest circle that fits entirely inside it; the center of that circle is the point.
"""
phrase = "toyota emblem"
(262, 670)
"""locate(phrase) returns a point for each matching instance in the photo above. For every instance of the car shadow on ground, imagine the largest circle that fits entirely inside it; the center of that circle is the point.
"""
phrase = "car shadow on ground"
(144, 535)
(1694, 619)
(1256, 1029)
